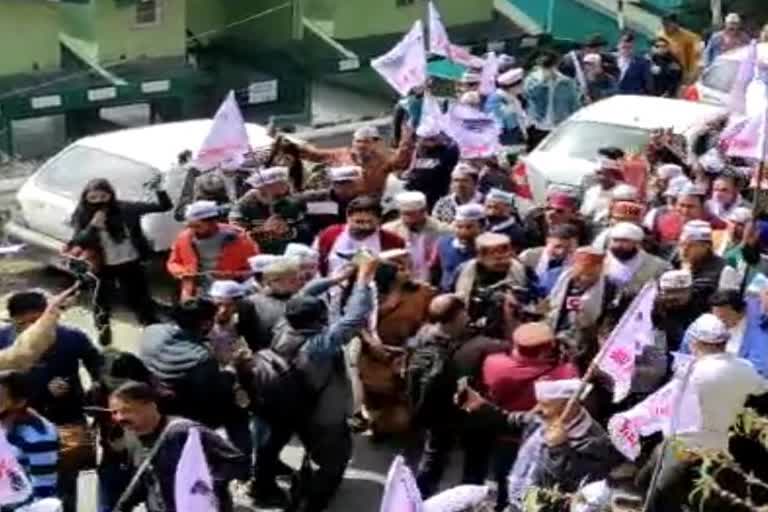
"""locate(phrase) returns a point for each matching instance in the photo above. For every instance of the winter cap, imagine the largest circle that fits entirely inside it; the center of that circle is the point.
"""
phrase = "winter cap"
(268, 176)
(627, 231)
(488, 240)
(496, 194)
(471, 211)
(696, 231)
(261, 261)
(202, 210)
(708, 329)
(675, 280)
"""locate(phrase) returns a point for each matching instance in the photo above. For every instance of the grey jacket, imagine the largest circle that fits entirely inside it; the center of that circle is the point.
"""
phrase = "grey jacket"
(319, 354)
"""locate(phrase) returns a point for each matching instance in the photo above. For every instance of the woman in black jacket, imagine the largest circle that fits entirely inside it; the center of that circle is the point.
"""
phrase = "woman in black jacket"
(108, 233)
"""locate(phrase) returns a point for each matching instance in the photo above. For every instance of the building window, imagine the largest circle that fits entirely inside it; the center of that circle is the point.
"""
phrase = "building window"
(403, 3)
(147, 12)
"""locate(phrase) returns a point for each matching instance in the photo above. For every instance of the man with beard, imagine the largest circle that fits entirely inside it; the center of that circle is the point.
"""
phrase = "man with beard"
(710, 272)
(155, 443)
(502, 217)
(337, 244)
(561, 208)
(267, 186)
(420, 231)
(463, 191)
(581, 300)
(453, 250)
(495, 262)
(725, 196)
(369, 153)
(436, 156)
(597, 198)
(549, 261)
(672, 313)
(689, 206)
(627, 265)
(327, 207)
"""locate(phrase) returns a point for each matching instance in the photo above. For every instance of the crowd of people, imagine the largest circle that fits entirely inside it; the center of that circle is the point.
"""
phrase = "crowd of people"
(305, 307)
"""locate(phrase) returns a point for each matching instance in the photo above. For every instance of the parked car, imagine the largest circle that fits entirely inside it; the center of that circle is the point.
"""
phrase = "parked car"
(129, 159)
(716, 81)
(568, 156)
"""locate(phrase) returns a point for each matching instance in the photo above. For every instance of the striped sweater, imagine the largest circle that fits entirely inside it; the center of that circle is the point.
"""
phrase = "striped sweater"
(35, 441)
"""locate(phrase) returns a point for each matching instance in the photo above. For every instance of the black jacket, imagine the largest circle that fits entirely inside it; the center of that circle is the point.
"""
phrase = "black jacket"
(431, 172)
(87, 236)
(667, 75)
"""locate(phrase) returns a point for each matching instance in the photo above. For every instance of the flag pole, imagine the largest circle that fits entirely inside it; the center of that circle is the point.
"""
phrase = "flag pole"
(601, 353)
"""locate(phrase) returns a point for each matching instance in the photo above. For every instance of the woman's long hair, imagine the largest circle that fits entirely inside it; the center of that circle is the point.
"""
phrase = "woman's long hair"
(84, 211)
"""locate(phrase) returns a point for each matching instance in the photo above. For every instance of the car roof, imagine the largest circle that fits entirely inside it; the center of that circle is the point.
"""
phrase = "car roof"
(740, 54)
(649, 112)
(159, 145)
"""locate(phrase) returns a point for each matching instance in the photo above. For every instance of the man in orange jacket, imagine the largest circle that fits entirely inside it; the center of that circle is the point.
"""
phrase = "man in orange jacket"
(207, 250)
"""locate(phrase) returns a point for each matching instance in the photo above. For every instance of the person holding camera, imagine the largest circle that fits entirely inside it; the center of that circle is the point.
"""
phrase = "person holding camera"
(108, 235)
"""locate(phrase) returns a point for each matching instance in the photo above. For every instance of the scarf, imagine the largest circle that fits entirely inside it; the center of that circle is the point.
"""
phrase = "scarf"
(621, 272)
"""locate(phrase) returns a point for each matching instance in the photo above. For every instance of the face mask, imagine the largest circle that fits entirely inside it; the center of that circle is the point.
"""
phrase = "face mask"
(360, 233)
(624, 254)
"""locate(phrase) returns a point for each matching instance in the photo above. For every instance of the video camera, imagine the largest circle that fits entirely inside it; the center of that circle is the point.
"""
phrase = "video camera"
(486, 307)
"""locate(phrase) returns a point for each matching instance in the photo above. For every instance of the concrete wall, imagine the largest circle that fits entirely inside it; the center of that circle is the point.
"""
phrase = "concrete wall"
(28, 36)
(352, 19)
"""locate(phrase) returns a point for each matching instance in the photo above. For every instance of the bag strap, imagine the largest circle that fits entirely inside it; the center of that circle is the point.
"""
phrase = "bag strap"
(145, 463)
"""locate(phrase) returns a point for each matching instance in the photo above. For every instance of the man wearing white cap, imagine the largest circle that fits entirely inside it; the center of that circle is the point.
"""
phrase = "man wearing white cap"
(597, 198)
(267, 186)
(502, 217)
(207, 250)
(674, 312)
(722, 383)
(727, 241)
(454, 250)
(436, 156)
(420, 231)
(725, 196)
(627, 265)
(600, 84)
(506, 105)
(566, 452)
(326, 207)
(308, 258)
(464, 179)
(369, 152)
(732, 36)
(227, 296)
(710, 272)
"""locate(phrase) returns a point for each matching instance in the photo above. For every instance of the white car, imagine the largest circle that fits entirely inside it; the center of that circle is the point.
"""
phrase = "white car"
(127, 158)
(715, 83)
(568, 156)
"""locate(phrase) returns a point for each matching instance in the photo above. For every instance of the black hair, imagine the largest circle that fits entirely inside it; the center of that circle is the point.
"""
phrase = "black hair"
(548, 59)
(364, 204)
(84, 211)
(133, 391)
(670, 18)
(627, 35)
(729, 298)
(611, 152)
(454, 308)
(21, 303)
(305, 312)
(190, 315)
(565, 231)
(16, 383)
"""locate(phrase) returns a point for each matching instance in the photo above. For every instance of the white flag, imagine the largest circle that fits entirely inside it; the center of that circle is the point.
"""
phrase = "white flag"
(457, 499)
(488, 74)
(476, 133)
(665, 411)
(193, 488)
(401, 494)
(433, 120)
(632, 334)
(227, 142)
(405, 66)
(747, 138)
(461, 55)
(439, 44)
(14, 483)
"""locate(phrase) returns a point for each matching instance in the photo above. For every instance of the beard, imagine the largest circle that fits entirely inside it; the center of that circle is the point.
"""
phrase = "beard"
(624, 254)
(361, 234)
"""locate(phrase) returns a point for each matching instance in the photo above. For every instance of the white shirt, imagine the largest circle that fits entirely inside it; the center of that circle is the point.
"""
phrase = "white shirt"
(723, 383)
(737, 337)
(345, 244)
(729, 279)
(597, 200)
(117, 253)
(621, 272)
(417, 247)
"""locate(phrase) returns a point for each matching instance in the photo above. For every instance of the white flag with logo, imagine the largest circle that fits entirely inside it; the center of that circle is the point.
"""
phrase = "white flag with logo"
(488, 74)
(432, 117)
(476, 133)
(14, 483)
(439, 44)
(401, 494)
(747, 138)
(633, 333)
(193, 487)
(227, 143)
(405, 66)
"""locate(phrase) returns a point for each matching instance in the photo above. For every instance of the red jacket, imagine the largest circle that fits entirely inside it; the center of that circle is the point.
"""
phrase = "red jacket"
(233, 258)
(329, 235)
(509, 379)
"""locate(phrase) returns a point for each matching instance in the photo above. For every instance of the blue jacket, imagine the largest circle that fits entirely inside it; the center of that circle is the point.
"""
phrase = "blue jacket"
(567, 97)
(637, 79)
(451, 258)
(754, 347)
(511, 124)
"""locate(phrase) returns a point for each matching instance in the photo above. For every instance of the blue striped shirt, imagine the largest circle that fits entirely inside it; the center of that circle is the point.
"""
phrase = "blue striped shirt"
(35, 441)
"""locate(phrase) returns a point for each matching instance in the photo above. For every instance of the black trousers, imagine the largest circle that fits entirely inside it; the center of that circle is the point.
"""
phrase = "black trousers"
(535, 136)
(131, 281)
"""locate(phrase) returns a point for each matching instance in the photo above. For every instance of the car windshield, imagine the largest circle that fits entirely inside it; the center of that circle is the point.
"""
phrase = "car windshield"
(721, 75)
(69, 172)
(582, 139)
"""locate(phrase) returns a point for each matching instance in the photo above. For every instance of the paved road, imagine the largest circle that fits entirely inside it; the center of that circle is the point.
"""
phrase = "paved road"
(363, 483)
